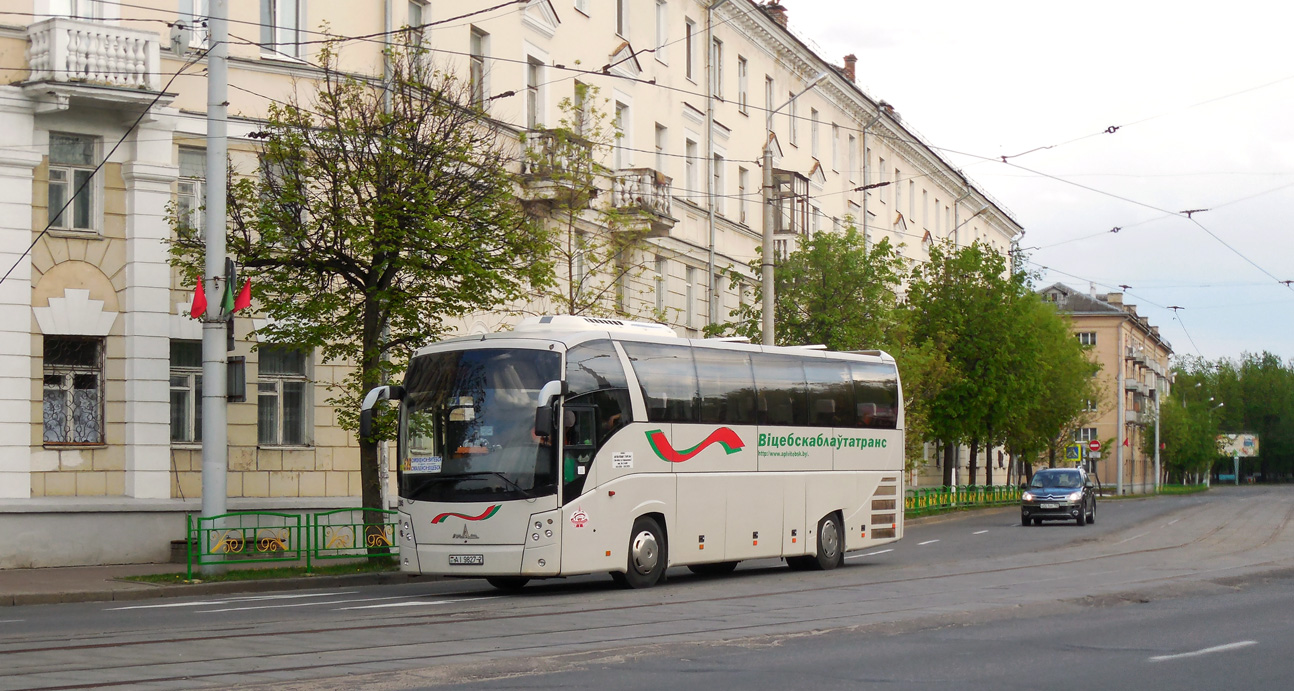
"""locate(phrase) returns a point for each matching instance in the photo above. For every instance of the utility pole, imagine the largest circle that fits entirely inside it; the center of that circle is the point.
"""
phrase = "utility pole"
(215, 432)
(768, 337)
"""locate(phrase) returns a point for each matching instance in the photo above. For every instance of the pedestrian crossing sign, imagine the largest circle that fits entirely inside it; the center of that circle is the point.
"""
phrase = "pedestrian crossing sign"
(1073, 452)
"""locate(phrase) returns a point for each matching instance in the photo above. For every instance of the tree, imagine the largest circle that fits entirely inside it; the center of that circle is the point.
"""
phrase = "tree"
(826, 272)
(377, 213)
(594, 212)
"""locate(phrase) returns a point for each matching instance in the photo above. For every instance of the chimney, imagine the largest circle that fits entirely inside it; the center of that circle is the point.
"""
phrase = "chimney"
(1114, 298)
(850, 61)
(776, 11)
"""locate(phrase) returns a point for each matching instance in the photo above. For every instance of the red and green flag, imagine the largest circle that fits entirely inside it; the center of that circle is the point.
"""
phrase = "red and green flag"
(230, 303)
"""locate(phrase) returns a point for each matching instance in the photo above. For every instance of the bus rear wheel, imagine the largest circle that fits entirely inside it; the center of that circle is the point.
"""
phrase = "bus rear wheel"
(647, 554)
(509, 583)
(830, 545)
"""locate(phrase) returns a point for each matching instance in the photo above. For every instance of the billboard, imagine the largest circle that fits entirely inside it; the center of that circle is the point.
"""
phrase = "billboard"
(1242, 445)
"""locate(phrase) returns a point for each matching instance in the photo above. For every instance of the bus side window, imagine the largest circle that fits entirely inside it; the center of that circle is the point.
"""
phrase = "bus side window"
(876, 387)
(783, 398)
(727, 387)
(668, 380)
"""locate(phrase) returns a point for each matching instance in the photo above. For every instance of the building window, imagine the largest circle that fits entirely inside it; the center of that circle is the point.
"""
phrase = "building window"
(477, 49)
(884, 195)
(743, 182)
(793, 120)
(742, 85)
(716, 68)
(1087, 338)
(835, 147)
(194, 14)
(281, 26)
(898, 191)
(662, 284)
(582, 5)
(912, 199)
(1085, 434)
(622, 125)
(191, 190)
(717, 200)
(1091, 405)
(282, 397)
(78, 9)
(662, 30)
(72, 406)
(661, 143)
(534, 71)
(768, 97)
(689, 46)
(813, 132)
(853, 158)
(186, 391)
(689, 169)
(71, 177)
(418, 15)
(690, 298)
(622, 17)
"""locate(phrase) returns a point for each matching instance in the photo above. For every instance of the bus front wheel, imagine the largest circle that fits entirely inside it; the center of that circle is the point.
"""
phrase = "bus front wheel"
(647, 554)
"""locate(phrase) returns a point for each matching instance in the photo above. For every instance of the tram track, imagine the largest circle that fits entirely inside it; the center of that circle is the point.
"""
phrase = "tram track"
(609, 635)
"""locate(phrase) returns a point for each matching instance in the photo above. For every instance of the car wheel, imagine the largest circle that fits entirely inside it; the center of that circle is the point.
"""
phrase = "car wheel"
(830, 545)
(713, 569)
(1024, 520)
(508, 583)
(1037, 521)
(1082, 517)
(1091, 514)
(647, 554)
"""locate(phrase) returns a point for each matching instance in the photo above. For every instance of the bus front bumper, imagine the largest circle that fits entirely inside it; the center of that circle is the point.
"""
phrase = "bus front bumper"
(472, 561)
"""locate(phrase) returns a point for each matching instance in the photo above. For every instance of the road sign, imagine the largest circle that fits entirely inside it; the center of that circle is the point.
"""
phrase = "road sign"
(1073, 452)
(1094, 445)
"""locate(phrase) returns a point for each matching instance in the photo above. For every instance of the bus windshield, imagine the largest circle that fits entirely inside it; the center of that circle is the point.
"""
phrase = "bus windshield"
(467, 426)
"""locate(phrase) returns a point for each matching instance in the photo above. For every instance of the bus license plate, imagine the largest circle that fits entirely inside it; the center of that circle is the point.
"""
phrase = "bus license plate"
(466, 559)
(1044, 506)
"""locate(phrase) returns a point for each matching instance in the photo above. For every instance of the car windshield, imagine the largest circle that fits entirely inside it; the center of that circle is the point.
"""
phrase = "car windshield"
(468, 426)
(1064, 479)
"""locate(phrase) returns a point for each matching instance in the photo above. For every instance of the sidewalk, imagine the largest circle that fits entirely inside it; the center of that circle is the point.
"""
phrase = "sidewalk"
(103, 583)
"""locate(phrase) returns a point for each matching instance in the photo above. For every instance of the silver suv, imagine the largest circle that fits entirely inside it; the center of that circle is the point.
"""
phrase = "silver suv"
(1059, 494)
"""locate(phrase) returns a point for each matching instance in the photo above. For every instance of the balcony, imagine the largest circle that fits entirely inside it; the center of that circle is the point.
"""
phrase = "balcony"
(558, 166)
(1132, 417)
(645, 192)
(75, 58)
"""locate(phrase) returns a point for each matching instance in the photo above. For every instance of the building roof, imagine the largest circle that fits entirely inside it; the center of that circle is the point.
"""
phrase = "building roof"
(1093, 304)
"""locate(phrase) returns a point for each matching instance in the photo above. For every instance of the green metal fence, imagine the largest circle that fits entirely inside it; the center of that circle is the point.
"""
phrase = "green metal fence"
(258, 537)
(923, 501)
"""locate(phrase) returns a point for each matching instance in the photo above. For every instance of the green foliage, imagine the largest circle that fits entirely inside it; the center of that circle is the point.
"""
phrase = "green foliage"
(375, 217)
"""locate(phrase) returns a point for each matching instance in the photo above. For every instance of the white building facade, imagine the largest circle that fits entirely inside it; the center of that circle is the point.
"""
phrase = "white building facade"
(99, 386)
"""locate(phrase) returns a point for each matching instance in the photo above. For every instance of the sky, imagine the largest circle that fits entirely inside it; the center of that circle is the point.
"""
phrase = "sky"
(1202, 96)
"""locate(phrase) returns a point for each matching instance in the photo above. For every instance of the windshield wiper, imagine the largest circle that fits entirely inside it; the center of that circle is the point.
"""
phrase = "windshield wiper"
(525, 493)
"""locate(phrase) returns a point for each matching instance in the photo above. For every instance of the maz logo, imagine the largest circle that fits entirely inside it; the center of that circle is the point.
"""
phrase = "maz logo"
(723, 436)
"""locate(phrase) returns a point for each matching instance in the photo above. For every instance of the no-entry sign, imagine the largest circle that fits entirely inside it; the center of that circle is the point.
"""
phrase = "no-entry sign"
(1094, 445)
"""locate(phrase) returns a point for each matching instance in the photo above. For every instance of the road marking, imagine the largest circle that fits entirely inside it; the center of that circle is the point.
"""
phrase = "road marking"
(225, 601)
(1206, 651)
(1174, 521)
(1131, 538)
(417, 603)
(301, 604)
(927, 542)
(869, 554)
(979, 532)
(11, 621)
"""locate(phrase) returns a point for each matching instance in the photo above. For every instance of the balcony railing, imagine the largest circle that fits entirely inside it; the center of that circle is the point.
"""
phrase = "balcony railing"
(90, 52)
(551, 156)
(641, 188)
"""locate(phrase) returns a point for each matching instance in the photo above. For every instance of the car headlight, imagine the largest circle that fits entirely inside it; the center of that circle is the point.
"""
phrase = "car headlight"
(1075, 497)
(1027, 496)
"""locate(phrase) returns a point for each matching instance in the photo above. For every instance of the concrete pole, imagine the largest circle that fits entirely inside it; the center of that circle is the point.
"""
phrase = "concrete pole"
(1119, 430)
(1157, 475)
(215, 432)
(710, 83)
(767, 275)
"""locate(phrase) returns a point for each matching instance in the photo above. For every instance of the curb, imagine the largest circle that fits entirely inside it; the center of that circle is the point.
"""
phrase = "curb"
(219, 588)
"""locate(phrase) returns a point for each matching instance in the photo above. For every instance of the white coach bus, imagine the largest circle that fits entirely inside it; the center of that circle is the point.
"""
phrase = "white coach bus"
(673, 452)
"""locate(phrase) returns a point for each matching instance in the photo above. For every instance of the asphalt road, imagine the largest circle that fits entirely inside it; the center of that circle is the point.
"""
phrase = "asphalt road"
(1172, 592)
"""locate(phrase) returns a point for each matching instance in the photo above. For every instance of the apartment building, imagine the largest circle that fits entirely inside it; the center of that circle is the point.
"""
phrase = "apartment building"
(103, 103)
(1134, 378)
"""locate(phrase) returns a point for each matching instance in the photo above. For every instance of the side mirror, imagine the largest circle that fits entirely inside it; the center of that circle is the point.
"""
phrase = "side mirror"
(544, 421)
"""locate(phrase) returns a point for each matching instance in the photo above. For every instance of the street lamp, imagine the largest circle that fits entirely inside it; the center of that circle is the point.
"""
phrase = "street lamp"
(767, 274)
(953, 233)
